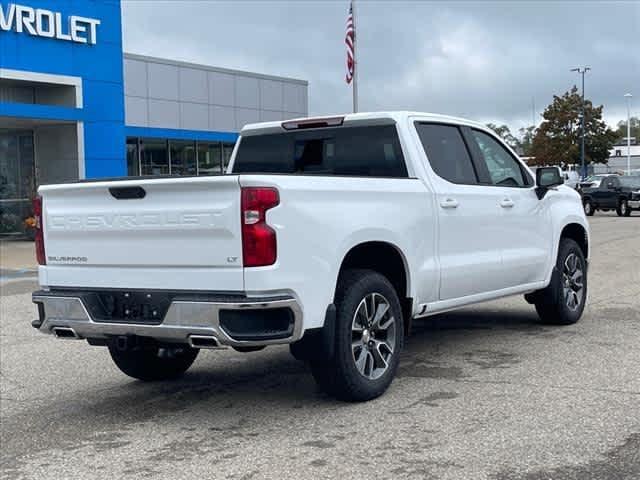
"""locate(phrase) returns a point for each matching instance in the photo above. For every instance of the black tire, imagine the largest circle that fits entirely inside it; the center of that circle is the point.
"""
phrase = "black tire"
(623, 209)
(553, 303)
(589, 209)
(340, 376)
(150, 362)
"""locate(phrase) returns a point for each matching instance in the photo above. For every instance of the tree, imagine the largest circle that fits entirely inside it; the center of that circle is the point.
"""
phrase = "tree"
(621, 131)
(504, 133)
(557, 140)
(525, 140)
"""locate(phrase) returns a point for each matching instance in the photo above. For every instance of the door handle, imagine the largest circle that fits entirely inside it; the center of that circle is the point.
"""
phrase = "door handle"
(449, 203)
(507, 203)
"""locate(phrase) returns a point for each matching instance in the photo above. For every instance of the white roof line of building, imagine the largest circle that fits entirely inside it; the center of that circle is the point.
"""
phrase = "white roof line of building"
(176, 63)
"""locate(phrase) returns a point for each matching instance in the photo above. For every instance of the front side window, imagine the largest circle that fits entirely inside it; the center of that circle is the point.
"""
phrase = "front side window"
(447, 153)
(504, 170)
(371, 151)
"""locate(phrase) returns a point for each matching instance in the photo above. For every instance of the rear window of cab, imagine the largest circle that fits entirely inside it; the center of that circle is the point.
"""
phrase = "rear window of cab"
(366, 151)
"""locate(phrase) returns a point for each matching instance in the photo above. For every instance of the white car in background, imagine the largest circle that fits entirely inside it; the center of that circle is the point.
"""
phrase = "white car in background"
(327, 234)
(594, 181)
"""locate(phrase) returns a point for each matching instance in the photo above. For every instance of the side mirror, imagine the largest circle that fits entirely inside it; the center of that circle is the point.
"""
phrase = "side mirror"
(546, 178)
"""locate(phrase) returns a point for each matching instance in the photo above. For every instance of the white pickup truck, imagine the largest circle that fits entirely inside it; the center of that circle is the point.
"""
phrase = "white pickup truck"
(328, 234)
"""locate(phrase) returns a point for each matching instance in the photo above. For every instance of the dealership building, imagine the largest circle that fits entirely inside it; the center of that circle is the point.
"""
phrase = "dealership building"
(73, 105)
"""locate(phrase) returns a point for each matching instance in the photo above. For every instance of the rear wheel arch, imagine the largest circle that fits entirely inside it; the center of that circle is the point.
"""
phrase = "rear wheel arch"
(388, 260)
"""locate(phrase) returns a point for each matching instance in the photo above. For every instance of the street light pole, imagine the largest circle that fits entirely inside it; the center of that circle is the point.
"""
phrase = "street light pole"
(628, 97)
(582, 71)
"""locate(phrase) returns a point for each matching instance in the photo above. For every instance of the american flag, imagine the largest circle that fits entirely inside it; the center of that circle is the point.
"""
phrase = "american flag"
(349, 38)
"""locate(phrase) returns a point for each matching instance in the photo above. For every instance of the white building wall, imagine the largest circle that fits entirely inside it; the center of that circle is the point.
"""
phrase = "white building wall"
(621, 151)
(166, 94)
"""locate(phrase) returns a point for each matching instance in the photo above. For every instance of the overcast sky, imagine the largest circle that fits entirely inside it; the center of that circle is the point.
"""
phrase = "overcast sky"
(488, 61)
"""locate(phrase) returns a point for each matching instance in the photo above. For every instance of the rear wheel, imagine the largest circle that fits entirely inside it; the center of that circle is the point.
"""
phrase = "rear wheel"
(151, 362)
(563, 301)
(623, 208)
(589, 209)
(369, 338)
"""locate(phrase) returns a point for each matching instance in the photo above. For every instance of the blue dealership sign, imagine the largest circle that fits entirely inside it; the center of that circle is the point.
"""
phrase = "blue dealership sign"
(72, 38)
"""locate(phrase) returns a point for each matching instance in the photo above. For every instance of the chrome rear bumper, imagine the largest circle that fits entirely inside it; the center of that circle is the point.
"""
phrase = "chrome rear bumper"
(62, 312)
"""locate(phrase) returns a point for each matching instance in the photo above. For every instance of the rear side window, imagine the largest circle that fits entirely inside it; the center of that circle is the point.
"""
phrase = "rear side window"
(372, 151)
(447, 153)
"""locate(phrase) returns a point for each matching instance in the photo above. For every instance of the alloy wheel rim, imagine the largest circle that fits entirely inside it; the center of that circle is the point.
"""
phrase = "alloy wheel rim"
(573, 281)
(373, 336)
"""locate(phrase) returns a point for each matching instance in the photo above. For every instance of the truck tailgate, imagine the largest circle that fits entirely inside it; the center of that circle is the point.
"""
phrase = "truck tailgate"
(169, 233)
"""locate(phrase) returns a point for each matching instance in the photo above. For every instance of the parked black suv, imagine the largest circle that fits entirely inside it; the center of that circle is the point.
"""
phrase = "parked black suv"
(619, 193)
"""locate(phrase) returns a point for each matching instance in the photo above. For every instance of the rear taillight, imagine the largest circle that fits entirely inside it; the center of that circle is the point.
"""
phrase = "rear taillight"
(37, 213)
(258, 238)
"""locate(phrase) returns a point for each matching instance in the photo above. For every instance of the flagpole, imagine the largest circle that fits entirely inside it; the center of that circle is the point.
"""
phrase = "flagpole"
(355, 62)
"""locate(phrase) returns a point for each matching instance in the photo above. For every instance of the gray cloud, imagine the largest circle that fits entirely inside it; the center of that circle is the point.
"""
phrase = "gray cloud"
(483, 60)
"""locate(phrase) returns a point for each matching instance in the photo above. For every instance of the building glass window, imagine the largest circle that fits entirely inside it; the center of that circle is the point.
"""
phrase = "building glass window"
(227, 149)
(154, 157)
(133, 162)
(183, 157)
(209, 158)
(17, 179)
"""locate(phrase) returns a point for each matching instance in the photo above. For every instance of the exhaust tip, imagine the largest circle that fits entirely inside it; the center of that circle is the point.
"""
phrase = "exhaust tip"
(204, 341)
(65, 333)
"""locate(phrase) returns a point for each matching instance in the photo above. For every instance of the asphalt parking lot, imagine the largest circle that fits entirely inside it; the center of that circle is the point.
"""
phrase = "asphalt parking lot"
(482, 393)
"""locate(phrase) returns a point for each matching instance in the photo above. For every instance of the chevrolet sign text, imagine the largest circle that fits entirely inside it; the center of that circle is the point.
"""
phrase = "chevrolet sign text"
(138, 220)
(45, 23)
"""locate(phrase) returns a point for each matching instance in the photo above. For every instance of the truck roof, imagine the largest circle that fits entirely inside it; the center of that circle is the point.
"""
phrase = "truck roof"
(360, 118)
